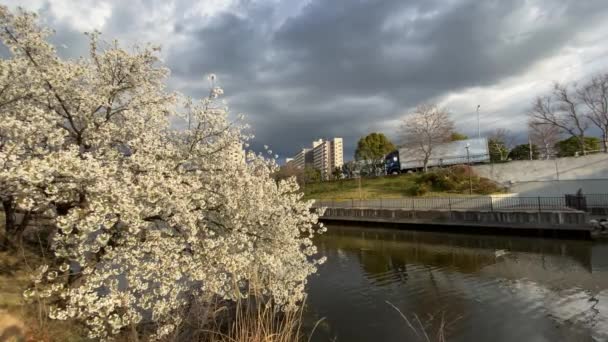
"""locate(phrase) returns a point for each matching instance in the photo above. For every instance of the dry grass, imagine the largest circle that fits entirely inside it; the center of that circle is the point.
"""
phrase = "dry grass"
(421, 330)
(261, 322)
(27, 321)
(252, 319)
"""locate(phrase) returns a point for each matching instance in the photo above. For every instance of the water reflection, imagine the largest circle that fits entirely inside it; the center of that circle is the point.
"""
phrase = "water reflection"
(536, 290)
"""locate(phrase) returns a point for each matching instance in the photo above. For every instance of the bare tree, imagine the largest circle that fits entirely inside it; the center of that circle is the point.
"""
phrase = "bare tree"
(545, 136)
(595, 97)
(425, 128)
(561, 109)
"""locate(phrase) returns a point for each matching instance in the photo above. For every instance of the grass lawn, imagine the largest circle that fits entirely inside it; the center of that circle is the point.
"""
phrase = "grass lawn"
(379, 187)
(386, 187)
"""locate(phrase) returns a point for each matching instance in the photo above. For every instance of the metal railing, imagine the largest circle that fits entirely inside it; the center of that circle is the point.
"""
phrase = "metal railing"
(485, 203)
(593, 203)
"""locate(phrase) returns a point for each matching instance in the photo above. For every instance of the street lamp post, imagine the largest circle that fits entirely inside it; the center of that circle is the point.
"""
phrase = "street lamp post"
(478, 128)
(469, 171)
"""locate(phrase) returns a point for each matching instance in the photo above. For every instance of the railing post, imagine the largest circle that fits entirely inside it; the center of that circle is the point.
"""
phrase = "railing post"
(380, 202)
(491, 204)
(539, 206)
(450, 208)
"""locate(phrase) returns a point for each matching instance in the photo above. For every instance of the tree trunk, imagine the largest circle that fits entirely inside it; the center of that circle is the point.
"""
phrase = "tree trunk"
(581, 142)
(19, 229)
(9, 222)
(13, 230)
(9, 215)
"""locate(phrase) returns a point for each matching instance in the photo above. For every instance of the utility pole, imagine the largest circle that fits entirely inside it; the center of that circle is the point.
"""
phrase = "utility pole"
(470, 170)
(478, 127)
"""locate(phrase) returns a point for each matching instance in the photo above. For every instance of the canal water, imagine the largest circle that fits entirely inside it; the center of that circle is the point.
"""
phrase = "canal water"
(392, 285)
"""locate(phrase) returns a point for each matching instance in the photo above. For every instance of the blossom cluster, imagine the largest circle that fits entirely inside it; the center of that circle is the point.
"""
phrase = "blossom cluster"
(147, 217)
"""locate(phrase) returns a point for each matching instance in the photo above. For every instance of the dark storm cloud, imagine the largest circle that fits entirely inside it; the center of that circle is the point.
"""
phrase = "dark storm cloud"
(347, 67)
(401, 52)
(353, 52)
(227, 44)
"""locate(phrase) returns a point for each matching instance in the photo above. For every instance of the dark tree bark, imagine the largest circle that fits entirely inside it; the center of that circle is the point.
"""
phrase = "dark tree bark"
(9, 221)
(13, 229)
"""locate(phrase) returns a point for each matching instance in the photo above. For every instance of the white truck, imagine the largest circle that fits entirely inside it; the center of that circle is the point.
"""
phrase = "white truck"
(469, 151)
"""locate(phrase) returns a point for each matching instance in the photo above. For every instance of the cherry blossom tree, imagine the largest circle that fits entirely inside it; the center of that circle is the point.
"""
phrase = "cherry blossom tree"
(147, 218)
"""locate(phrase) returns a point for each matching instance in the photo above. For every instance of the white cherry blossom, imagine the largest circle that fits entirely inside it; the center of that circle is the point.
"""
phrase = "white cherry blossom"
(146, 217)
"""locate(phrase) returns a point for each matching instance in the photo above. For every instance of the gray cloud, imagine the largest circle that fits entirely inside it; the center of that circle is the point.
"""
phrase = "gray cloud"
(344, 67)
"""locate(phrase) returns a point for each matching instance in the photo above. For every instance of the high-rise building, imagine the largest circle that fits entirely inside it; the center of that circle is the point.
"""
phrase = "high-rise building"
(328, 155)
(303, 158)
(325, 156)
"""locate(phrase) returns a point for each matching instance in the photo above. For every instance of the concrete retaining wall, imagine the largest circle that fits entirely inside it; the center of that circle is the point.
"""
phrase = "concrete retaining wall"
(551, 177)
(555, 220)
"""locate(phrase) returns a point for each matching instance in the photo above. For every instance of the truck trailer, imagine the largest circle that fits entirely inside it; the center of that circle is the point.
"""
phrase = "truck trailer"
(469, 151)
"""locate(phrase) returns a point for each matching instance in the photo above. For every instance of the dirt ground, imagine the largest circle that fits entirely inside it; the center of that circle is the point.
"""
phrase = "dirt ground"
(11, 328)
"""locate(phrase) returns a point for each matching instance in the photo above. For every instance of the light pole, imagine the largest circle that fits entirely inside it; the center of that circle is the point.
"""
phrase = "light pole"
(478, 128)
(469, 171)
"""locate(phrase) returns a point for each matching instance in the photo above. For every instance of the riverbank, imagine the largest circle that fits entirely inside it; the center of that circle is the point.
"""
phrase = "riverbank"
(254, 319)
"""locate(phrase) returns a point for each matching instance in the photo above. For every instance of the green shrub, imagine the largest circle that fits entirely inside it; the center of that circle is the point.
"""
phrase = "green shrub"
(418, 189)
(452, 179)
(440, 180)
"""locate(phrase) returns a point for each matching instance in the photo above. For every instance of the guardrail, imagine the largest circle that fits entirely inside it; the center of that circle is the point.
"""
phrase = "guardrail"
(483, 203)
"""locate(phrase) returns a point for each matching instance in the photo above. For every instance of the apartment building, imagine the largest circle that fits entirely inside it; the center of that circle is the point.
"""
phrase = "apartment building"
(302, 159)
(328, 155)
(325, 156)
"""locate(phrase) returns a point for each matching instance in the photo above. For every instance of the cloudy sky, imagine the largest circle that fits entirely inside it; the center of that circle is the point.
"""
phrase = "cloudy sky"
(308, 69)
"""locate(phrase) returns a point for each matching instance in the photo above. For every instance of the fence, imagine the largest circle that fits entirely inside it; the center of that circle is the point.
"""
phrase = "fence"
(483, 203)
